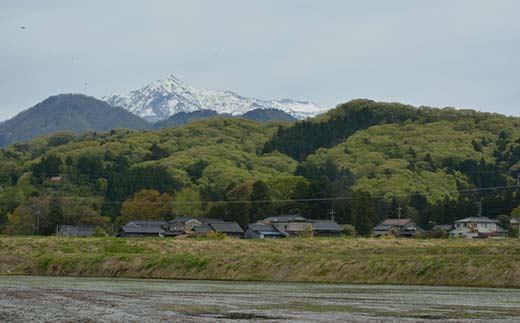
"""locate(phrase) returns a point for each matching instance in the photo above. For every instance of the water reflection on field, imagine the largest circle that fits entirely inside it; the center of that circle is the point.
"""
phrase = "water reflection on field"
(131, 300)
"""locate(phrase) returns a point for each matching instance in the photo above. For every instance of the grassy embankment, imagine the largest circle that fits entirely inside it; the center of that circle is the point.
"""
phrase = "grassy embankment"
(375, 261)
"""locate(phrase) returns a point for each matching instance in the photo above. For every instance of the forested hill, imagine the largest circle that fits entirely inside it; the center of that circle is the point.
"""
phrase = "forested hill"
(73, 112)
(361, 160)
(260, 115)
(326, 131)
(267, 115)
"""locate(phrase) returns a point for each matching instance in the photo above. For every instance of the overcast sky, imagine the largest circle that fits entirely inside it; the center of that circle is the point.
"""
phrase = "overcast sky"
(437, 53)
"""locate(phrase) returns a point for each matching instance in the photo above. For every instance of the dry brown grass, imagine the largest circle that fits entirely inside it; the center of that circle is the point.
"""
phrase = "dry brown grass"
(382, 261)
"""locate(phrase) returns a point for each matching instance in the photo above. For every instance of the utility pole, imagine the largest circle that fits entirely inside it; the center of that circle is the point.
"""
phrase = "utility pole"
(518, 178)
(36, 213)
(399, 209)
(331, 213)
(479, 208)
(37, 221)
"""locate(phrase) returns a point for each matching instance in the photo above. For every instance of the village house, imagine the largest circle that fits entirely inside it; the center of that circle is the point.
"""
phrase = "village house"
(76, 230)
(145, 228)
(403, 228)
(326, 228)
(291, 225)
(230, 229)
(183, 225)
(285, 226)
(262, 231)
(478, 227)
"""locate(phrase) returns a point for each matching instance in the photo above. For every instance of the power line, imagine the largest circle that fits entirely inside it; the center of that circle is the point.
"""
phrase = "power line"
(330, 199)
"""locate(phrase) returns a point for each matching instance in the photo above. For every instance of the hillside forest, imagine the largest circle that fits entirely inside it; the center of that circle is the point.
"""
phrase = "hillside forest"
(360, 162)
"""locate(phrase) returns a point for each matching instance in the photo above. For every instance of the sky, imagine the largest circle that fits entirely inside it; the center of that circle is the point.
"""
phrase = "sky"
(464, 54)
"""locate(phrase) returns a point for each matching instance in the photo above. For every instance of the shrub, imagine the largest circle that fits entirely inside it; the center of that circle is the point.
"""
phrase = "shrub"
(99, 232)
(348, 230)
(436, 233)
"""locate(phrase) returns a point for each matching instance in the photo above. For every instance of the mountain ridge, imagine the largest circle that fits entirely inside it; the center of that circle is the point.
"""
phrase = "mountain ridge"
(161, 99)
(67, 112)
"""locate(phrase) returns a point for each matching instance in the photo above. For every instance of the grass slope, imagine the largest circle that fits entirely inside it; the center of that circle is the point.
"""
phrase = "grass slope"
(365, 261)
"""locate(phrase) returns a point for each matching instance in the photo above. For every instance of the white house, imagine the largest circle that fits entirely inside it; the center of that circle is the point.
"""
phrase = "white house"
(477, 227)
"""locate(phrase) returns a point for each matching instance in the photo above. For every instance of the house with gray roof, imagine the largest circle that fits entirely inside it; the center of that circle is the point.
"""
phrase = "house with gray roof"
(403, 228)
(326, 228)
(478, 228)
(231, 229)
(291, 225)
(145, 228)
(263, 231)
(183, 225)
(202, 226)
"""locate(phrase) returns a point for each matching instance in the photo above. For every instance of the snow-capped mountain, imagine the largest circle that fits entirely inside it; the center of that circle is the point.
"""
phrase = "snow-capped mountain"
(164, 98)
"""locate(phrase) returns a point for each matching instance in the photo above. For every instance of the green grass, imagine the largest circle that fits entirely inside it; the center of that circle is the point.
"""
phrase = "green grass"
(493, 263)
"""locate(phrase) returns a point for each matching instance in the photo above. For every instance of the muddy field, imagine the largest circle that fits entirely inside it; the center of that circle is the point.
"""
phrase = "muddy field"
(51, 299)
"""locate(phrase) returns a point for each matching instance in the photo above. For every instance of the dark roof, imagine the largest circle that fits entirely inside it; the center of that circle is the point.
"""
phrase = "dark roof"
(146, 226)
(385, 227)
(203, 228)
(265, 229)
(398, 222)
(325, 225)
(209, 220)
(477, 219)
(226, 227)
(137, 229)
(78, 231)
(285, 218)
(146, 223)
(181, 219)
(261, 227)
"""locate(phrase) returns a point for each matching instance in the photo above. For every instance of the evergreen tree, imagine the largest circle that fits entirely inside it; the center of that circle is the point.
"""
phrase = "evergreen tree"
(157, 152)
(261, 207)
(237, 206)
(196, 170)
(47, 167)
(55, 214)
(363, 213)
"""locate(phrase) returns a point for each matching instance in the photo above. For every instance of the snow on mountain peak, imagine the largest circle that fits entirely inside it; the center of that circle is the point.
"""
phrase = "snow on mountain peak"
(166, 97)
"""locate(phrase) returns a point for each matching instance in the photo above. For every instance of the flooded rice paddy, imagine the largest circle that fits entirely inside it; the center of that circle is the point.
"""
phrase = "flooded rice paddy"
(51, 299)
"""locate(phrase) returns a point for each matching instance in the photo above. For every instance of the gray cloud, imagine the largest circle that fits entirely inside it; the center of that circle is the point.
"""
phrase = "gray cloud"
(438, 53)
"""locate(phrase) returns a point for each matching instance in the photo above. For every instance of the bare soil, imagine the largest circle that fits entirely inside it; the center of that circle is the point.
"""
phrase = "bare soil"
(54, 299)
